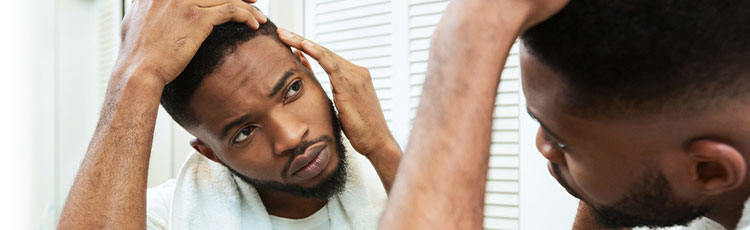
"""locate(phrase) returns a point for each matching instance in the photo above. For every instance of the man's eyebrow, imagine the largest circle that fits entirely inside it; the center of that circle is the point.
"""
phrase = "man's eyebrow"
(232, 124)
(544, 127)
(281, 82)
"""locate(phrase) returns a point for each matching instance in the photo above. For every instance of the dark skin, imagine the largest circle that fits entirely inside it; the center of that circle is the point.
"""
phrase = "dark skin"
(109, 191)
(278, 123)
(359, 109)
(284, 106)
(110, 188)
(440, 183)
(702, 155)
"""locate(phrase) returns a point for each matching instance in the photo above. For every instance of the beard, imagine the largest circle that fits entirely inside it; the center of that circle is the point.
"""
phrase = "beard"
(650, 203)
(328, 187)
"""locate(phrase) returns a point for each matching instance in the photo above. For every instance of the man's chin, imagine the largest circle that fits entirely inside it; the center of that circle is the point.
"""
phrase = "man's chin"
(610, 217)
(651, 203)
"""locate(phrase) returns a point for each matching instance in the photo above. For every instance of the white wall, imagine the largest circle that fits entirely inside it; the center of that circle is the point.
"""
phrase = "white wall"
(43, 41)
(27, 121)
(16, 101)
(76, 89)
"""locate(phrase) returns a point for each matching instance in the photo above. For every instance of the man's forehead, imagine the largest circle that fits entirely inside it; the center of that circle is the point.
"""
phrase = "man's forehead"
(242, 79)
(254, 64)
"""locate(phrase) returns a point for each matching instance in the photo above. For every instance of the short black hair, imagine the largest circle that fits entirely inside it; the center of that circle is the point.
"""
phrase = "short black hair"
(644, 56)
(222, 41)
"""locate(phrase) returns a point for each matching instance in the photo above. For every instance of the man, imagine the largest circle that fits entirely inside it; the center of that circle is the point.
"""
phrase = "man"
(655, 121)
(643, 107)
(269, 151)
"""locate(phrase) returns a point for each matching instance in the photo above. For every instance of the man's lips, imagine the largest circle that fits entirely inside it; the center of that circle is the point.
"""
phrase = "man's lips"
(305, 158)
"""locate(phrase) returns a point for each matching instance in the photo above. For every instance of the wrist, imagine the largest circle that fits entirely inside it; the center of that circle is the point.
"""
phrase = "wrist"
(136, 77)
(137, 72)
(387, 148)
(499, 18)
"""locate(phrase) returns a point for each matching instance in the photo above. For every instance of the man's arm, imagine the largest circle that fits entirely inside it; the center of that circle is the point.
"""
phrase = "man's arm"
(110, 188)
(361, 116)
(441, 182)
(386, 160)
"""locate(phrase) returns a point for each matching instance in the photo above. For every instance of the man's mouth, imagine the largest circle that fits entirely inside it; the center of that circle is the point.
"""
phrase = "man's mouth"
(311, 163)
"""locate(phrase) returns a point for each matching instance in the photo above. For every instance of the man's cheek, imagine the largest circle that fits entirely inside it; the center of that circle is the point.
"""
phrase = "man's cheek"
(595, 184)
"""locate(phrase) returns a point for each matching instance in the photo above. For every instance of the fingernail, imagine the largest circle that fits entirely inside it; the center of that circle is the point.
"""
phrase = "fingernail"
(307, 43)
(286, 33)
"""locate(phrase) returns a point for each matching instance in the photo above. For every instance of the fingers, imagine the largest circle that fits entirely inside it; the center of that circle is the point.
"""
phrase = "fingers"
(235, 10)
(222, 11)
(327, 59)
(259, 16)
(302, 59)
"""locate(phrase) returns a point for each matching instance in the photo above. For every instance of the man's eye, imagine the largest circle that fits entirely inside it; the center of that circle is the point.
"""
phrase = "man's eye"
(294, 89)
(243, 135)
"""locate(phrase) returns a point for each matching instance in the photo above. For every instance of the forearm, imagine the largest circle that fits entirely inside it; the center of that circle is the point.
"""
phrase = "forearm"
(441, 181)
(110, 188)
(385, 161)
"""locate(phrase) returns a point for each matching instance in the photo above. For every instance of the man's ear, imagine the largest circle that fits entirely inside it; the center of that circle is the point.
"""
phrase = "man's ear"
(715, 167)
(302, 59)
(204, 150)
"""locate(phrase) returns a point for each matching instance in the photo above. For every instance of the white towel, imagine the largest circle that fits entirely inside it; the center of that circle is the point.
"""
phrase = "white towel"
(208, 196)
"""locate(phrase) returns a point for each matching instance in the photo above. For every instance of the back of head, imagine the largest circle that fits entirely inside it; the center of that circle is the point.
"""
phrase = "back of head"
(634, 56)
(222, 41)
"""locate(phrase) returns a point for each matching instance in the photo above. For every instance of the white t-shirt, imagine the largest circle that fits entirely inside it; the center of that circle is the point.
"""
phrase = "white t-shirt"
(317, 221)
(159, 198)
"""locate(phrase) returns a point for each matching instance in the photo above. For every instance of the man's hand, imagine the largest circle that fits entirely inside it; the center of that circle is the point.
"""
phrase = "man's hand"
(162, 36)
(539, 10)
(360, 113)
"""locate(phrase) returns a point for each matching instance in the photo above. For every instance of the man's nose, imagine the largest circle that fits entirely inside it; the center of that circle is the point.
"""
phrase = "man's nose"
(287, 131)
(548, 149)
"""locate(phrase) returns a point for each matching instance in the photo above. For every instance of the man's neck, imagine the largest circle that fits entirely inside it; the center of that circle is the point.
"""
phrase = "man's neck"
(285, 205)
(728, 213)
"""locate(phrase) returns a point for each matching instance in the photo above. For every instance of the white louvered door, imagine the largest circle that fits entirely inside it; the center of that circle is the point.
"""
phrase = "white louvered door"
(362, 31)
(108, 16)
(392, 39)
(502, 197)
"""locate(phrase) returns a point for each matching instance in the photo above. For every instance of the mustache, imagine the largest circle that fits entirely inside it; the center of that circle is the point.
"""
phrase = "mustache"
(293, 153)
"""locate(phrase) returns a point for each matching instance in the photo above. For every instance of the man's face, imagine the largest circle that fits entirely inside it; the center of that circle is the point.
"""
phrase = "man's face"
(266, 118)
(623, 168)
